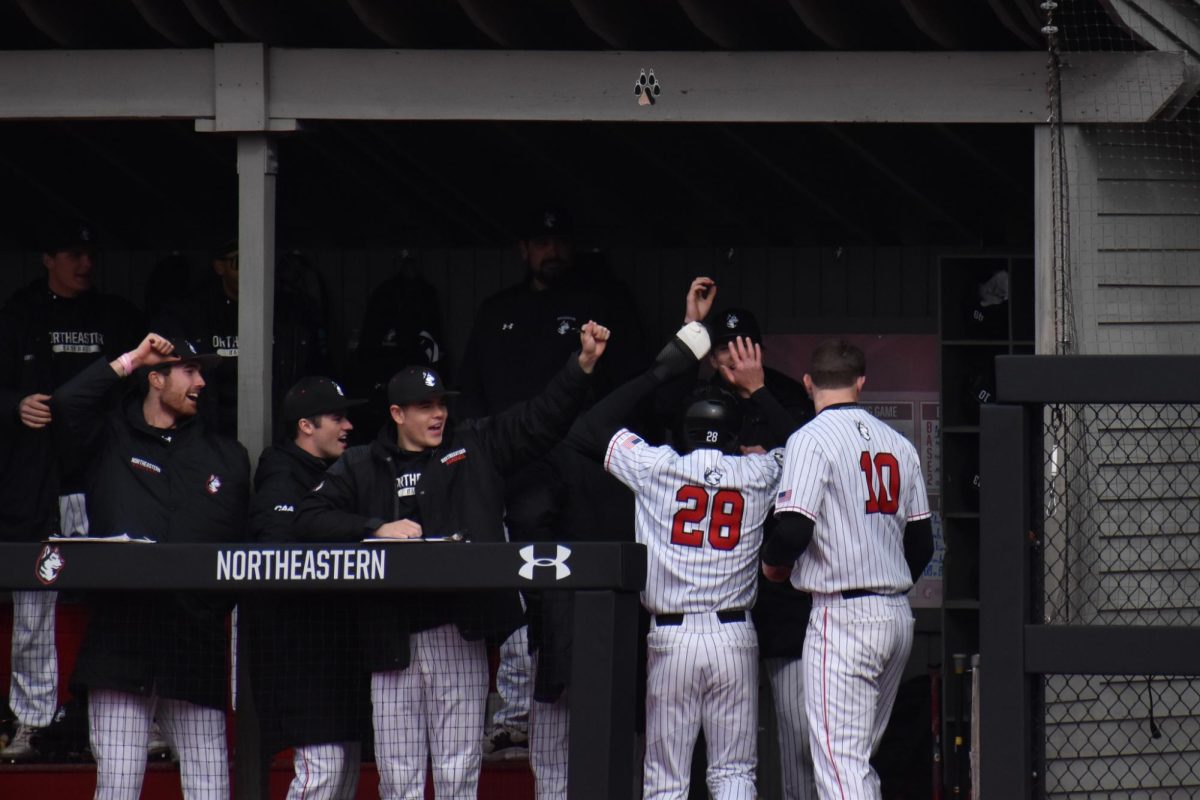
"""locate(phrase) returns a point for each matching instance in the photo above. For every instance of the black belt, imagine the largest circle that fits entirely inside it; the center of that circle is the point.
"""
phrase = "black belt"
(734, 615)
(851, 594)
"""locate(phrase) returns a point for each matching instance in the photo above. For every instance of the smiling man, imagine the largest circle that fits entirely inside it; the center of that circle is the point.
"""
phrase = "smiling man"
(152, 469)
(425, 478)
(308, 685)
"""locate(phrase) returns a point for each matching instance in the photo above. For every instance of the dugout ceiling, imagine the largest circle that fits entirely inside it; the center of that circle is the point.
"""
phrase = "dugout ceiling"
(161, 185)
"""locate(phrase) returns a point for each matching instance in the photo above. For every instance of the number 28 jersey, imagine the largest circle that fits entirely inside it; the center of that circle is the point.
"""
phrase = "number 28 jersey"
(861, 483)
(700, 516)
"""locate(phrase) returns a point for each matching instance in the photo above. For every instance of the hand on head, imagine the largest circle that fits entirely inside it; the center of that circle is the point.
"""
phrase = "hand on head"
(152, 351)
(744, 371)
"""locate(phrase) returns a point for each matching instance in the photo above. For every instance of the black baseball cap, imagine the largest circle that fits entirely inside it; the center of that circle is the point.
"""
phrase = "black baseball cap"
(732, 323)
(314, 395)
(549, 221)
(187, 352)
(416, 385)
(66, 234)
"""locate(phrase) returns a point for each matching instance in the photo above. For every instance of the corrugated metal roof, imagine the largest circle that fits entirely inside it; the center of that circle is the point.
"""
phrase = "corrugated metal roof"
(528, 24)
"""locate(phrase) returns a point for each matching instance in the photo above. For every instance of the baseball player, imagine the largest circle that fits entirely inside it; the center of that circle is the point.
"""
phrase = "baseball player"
(700, 512)
(308, 683)
(853, 517)
(428, 662)
(50, 330)
(772, 405)
(154, 470)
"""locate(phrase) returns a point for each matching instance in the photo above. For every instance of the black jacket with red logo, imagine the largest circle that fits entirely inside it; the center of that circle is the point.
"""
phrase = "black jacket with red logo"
(461, 491)
(179, 485)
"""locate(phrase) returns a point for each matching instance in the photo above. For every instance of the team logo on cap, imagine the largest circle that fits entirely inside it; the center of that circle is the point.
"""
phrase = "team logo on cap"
(731, 321)
(337, 388)
(213, 485)
(430, 380)
(49, 563)
(565, 325)
(863, 432)
(549, 219)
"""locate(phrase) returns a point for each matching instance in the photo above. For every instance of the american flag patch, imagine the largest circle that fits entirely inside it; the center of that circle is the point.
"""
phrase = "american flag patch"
(631, 442)
(783, 496)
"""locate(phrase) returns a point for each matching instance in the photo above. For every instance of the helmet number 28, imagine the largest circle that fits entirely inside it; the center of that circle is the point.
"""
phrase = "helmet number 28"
(724, 521)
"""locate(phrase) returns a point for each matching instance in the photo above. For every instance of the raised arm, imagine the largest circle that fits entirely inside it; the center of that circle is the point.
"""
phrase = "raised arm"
(592, 432)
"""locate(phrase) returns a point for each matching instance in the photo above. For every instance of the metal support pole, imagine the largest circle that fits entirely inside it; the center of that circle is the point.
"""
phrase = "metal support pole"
(603, 669)
(257, 167)
(1005, 690)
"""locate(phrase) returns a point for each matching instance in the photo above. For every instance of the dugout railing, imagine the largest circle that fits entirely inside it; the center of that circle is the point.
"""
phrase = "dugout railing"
(604, 577)
(1090, 518)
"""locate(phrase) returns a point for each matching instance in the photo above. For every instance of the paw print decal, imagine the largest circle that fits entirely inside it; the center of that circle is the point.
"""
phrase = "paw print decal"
(647, 88)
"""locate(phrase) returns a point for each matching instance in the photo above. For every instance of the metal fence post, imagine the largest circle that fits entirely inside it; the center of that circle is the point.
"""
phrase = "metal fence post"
(603, 670)
(1005, 747)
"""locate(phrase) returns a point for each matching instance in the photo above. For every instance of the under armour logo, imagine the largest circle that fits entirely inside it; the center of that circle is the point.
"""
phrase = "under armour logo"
(507, 326)
(559, 562)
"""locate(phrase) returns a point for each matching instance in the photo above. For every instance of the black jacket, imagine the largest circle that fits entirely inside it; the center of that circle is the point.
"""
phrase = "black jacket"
(181, 485)
(44, 341)
(521, 336)
(307, 679)
(461, 490)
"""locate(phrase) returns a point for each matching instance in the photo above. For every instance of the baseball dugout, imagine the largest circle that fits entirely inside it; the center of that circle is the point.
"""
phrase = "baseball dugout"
(1090, 505)
(603, 579)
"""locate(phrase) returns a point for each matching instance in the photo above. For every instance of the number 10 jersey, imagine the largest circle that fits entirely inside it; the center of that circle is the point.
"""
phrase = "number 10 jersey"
(861, 483)
(701, 517)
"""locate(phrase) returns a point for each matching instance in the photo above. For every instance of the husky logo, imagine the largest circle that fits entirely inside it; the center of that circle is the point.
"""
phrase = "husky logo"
(559, 562)
(863, 432)
(549, 220)
(713, 476)
(565, 325)
(430, 380)
(214, 484)
(731, 321)
(49, 563)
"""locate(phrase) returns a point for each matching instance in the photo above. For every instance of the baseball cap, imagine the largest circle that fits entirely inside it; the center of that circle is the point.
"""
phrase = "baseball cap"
(732, 323)
(548, 221)
(58, 235)
(314, 395)
(188, 352)
(416, 385)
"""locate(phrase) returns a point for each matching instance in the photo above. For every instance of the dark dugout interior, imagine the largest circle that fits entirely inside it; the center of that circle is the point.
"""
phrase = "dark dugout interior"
(817, 228)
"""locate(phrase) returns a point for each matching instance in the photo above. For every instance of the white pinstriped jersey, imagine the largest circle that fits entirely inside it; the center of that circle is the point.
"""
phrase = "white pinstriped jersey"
(700, 516)
(861, 483)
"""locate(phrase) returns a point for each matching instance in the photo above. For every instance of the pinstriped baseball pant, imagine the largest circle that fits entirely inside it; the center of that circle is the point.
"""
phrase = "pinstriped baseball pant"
(855, 652)
(325, 771)
(435, 708)
(702, 674)
(119, 725)
(549, 726)
(786, 676)
(33, 692)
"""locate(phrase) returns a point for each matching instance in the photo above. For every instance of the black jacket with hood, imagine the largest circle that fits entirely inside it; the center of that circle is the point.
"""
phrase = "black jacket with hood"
(182, 485)
(461, 490)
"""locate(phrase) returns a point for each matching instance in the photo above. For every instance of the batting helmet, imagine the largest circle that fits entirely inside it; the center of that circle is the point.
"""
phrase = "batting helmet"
(712, 418)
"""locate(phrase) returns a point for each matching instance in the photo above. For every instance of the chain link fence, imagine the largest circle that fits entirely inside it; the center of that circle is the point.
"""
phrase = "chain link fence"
(1121, 546)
